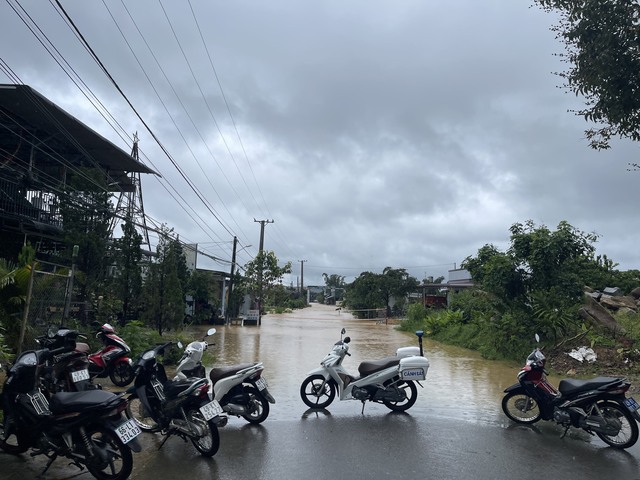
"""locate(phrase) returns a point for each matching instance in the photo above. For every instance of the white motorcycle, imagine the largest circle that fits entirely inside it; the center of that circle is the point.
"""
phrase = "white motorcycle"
(390, 380)
(240, 389)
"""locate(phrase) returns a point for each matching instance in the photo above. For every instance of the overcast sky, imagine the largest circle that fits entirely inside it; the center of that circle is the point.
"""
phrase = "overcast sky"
(403, 133)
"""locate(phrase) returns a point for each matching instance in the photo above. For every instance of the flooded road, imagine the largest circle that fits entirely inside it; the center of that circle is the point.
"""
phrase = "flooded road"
(460, 384)
(456, 430)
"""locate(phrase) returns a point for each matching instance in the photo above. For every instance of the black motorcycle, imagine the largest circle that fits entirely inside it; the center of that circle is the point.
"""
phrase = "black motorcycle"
(67, 371)
(86, 427)
(178, 407)
(598, 406)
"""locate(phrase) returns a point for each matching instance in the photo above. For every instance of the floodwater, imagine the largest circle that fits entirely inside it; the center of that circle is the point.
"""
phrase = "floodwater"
(460, 384)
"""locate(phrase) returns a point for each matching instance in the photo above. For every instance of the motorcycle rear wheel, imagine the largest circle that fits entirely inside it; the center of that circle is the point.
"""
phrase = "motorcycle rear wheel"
(314, 394)
(209, 443)
(121, 374)
(628, 434)
(520, 407)
(138, 412)
(411, 392)
(257, 404)
(111, 459)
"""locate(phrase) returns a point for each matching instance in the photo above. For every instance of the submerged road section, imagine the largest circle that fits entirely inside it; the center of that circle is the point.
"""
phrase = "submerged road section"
(455, 430)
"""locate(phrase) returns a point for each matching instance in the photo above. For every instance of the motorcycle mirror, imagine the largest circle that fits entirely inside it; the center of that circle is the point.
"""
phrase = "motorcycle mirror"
(343, 331)
(179, 344)
(211, 331)
(51, 332)
(537, 337)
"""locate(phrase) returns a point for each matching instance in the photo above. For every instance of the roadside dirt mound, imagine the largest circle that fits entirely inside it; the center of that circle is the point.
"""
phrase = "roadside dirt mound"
(610, 361)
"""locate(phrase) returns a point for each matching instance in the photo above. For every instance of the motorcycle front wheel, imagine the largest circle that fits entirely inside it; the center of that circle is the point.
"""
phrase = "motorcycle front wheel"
(316, 392)
(257, 406)
(138, 413)
(208, 442)
(10, 444)
(520, 407)
(121, 374)
(619, 416)
(111, 459)
(411, 392)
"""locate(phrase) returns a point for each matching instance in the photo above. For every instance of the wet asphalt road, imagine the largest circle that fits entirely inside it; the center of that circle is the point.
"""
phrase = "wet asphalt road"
(455, 431)
(376, 445)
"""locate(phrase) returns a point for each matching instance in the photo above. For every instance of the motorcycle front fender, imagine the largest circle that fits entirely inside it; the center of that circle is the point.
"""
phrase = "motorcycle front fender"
(320, 371)
(513, 388)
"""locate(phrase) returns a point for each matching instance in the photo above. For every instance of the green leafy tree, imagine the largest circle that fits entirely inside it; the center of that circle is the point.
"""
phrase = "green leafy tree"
(364, 292)
(333, 280)
(263, 274)
(204, 290)
(127, 256)
(602, 45)
(162, 291)
(396, 283)
(374, 290)
(540, 276)
(86, 214)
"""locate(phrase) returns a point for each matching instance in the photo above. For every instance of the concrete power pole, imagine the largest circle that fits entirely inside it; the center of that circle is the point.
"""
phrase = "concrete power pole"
(230, 291)
(262, 224)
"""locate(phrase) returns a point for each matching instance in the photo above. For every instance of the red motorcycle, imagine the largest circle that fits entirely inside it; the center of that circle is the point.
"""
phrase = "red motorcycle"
(598, 406)
(113, 360)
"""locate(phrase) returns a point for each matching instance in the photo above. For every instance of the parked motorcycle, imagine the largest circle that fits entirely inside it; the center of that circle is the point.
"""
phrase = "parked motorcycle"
(179, 407)
(112, 360)
(390, 380)
(68, 371)
(598, 406)
(190, 364)
(86, 427)
(241, 389)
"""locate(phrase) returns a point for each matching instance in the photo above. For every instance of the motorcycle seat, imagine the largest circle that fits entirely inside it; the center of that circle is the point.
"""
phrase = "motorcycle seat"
(572, 386)
(372, 366)
(66, 402)
(222, 372)
(173, 388)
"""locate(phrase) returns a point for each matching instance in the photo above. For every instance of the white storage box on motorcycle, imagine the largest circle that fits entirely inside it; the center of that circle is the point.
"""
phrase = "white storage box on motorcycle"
(414, 368)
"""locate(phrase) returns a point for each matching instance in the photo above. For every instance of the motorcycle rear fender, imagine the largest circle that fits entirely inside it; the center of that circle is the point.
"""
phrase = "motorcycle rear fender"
(134, 444)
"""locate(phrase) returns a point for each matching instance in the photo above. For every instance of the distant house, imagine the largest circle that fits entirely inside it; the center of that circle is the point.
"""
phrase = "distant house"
(436, 295)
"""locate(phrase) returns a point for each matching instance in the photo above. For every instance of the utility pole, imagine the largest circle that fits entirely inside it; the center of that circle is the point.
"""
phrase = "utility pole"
(262, 224)
(230, 291)
(302, 274)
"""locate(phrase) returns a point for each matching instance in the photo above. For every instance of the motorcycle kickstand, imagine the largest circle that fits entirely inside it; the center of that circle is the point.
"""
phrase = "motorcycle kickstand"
(362, 412)
(566, 429)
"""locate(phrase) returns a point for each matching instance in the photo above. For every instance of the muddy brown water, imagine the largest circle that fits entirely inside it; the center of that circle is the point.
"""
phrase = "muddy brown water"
(460, 383)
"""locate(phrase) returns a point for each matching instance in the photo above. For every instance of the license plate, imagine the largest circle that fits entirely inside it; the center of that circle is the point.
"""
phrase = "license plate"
(413, 374)
(128, 431)
(211, 410)
(261, 383)
(80, 375)
(631, 404)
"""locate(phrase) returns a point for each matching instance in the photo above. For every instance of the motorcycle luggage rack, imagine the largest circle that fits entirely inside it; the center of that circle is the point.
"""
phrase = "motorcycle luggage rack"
(158, 388)
(40, 403)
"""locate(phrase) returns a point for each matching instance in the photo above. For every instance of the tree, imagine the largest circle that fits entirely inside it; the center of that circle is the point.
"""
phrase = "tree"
(602, 44)
(86, 214)
(374, 290)
(204, 290)
(163, 292)
(396, 283)
(333, 280)
(262, 274)
(542, 274)
(127, 284)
